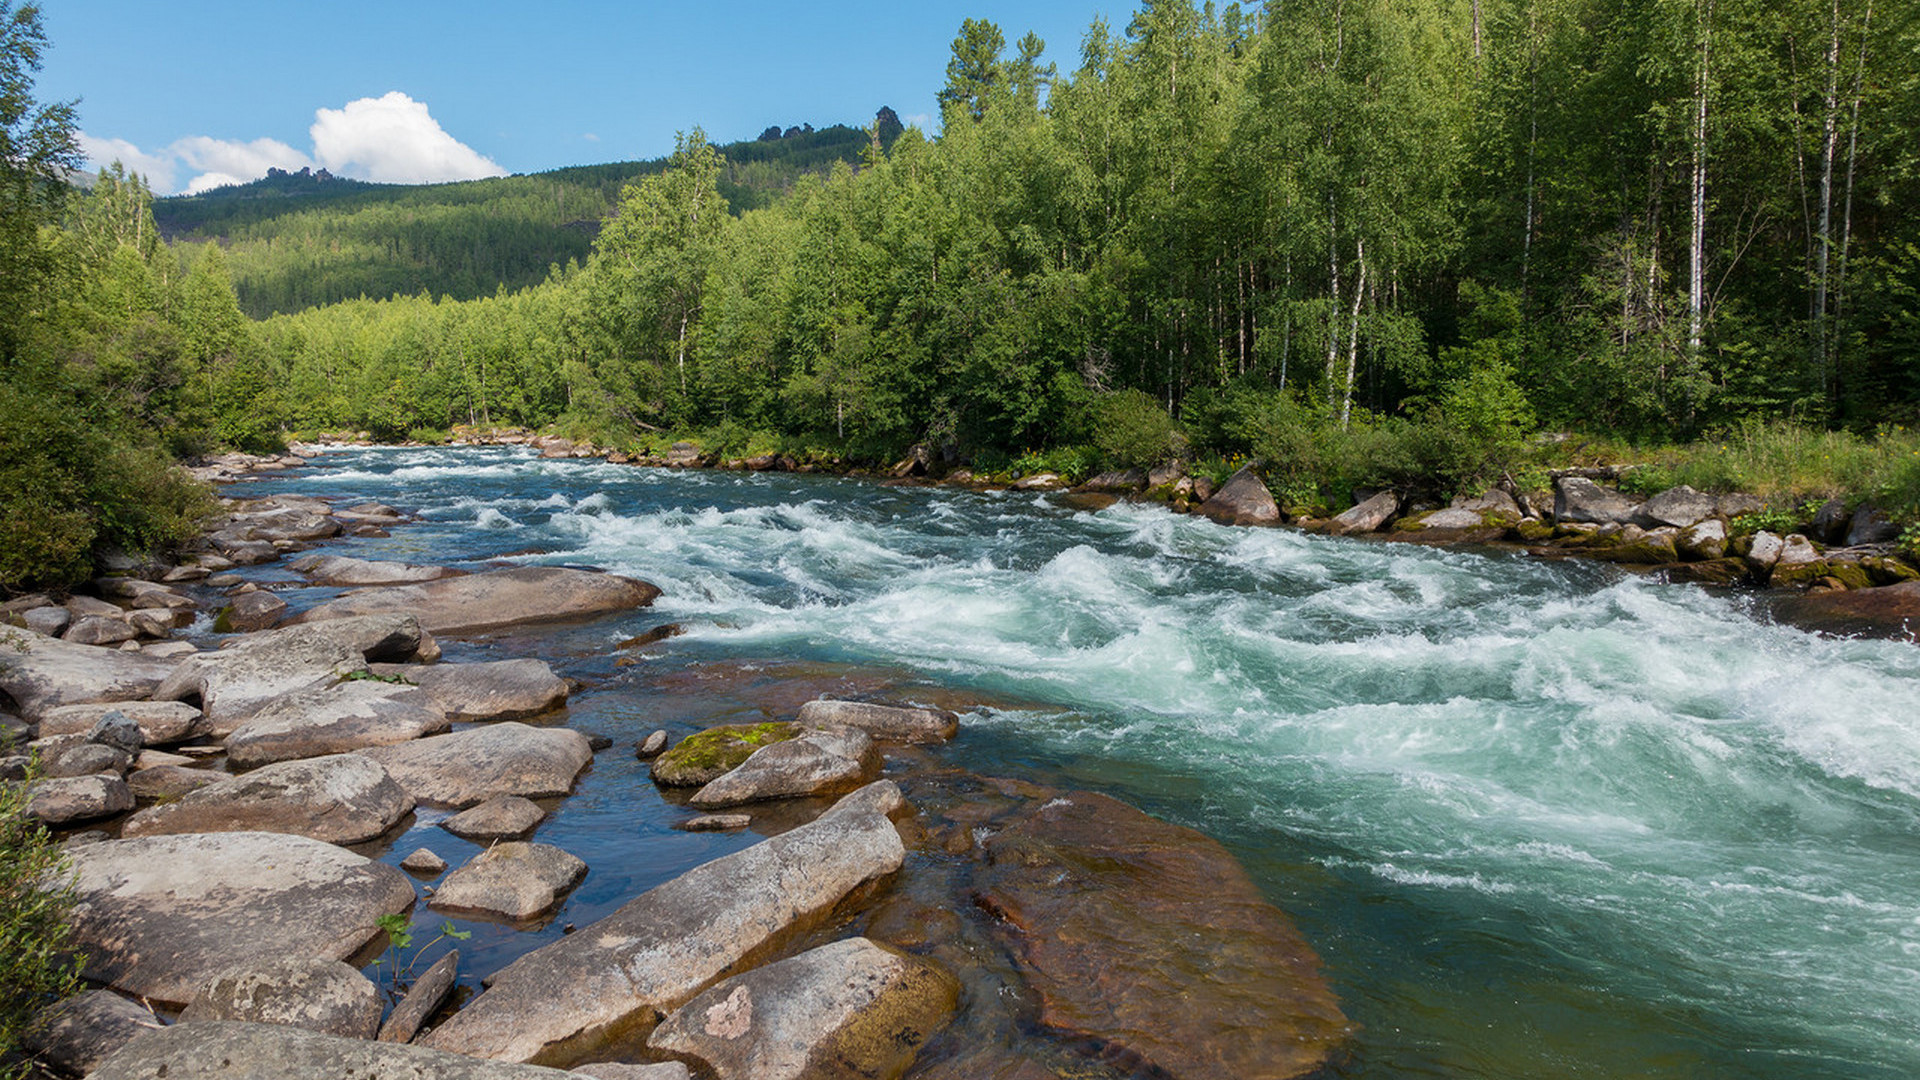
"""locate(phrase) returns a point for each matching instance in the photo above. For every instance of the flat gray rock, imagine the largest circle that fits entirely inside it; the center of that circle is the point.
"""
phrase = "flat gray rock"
(230, 1050)
(51, 621)
(499, 818)
(885, 722)
(42, 673)
(238, 682)
(170, 781)
(99, 630)
(326, 996)
(1367, 516)
(334, 719)
(497, 598)
(363, 573)
(469, 767)
(161, 722)
(77, 1034)
(514, 880)
(156, 917)
(1577, 499)
(499, 690)
(849, 1009)
(251, 611)
(822, 762)
(340, 799)
(620, 1070)
(617, 976)
(69, 800)
(75, 755)
(1680, 507)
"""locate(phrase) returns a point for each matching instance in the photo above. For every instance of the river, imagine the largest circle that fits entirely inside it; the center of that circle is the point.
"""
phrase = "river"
(1540, 818)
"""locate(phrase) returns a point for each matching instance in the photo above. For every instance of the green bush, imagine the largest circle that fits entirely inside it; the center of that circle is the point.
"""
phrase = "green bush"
(36, 968)
(1131, 430)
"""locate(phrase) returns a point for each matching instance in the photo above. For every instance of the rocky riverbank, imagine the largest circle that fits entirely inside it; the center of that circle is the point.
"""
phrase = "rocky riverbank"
(228, 813)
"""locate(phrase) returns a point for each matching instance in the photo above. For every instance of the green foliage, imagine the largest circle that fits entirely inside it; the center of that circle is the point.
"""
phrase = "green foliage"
(36, 898)
(399, 930)
(1131, 430)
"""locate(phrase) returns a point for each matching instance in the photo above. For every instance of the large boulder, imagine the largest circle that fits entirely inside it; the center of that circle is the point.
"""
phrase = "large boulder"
(231, 1050)
(99, 630)
(1243, 500)
(327, 996)
(64, 756)
(42, 673)
(1366, 516)
(1577, 499)
(705, 756)
(472, 766)
(159, 916)
(238, 682)
(499, 690)
(250, 611)
(886, 722)
(334, 720)
(341, 799)
(497, 598)
(619, 975)
(160, 722)
(77, 1034)
(1149, 943)
(1704, 541)
(1888, 610)
(362, 573)
(824, 762)
(844, 1011)
(1871, 525)
(1679, 507)
(513, 880)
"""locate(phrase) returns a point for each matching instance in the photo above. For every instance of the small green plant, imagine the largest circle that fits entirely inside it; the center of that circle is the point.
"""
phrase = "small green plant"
(36, 896)
(399, 930)
(1768, 520)
(373, 676)
(1909, 543)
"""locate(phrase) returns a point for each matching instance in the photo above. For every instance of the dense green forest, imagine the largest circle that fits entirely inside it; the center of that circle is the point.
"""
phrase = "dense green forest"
(1366, 241)
(300, 240)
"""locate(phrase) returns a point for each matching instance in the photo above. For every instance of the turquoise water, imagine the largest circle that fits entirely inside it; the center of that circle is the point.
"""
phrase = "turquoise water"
(1540, 819)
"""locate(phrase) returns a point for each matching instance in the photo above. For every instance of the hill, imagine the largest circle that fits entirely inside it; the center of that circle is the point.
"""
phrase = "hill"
(296, 240)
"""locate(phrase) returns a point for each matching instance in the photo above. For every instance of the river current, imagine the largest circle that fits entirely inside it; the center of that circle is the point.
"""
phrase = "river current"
(1540, 819)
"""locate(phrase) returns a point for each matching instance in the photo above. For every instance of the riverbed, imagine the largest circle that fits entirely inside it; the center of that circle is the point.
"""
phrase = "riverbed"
(1539, 818)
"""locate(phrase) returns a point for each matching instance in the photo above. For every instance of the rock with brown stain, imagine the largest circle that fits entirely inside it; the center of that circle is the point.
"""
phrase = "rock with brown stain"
(1150, 941)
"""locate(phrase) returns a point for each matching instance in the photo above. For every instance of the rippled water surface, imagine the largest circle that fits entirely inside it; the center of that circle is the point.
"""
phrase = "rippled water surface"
(1540, 819)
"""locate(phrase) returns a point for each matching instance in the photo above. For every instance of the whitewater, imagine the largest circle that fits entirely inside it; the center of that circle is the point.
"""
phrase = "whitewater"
(1540, 818)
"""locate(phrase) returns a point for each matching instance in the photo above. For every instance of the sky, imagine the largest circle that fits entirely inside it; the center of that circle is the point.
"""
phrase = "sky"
(196, 93)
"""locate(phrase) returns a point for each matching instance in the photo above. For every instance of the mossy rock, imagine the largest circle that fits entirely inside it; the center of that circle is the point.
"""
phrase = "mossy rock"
(707, 755)
(1889, 571)
(1653, 550)
(1850, 574)
(1531, 531)
(1712, 572)
(1800, 574)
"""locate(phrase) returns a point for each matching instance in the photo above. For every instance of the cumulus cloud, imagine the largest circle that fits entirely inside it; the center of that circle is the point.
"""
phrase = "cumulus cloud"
(392, 139)
(157, 168)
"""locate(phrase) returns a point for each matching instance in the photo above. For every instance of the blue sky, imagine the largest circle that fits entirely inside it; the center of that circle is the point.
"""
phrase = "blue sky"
(405, 91)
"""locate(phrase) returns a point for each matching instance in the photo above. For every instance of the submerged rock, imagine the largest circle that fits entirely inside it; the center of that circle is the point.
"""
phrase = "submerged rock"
(845, 1011)
(889, 722)
(341, 799)
(620, 974)
(230, 1050)
(326, 996)
(497, 598)
(158, 916)
(1150, 941)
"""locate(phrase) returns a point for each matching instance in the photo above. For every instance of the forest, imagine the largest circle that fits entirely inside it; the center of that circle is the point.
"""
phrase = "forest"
(1366, 242)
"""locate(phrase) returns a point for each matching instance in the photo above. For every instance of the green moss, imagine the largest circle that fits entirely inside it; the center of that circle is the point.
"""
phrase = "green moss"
(1532, 531)
(706, 755)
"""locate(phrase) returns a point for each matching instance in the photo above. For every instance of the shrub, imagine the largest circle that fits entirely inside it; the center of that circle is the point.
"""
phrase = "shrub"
(36, 969)
(1131, 430)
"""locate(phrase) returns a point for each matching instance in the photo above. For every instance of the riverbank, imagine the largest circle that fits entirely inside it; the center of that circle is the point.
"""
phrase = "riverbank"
(336, 732)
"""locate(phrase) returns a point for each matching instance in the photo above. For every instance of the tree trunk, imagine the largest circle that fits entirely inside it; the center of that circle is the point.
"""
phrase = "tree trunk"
(1697, 241)
(1353, 335)
(1823, 239)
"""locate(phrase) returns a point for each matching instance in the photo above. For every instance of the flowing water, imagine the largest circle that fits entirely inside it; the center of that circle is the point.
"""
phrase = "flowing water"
(1541, 819)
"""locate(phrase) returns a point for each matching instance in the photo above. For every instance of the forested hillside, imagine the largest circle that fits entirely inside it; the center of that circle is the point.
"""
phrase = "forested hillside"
(300, 240)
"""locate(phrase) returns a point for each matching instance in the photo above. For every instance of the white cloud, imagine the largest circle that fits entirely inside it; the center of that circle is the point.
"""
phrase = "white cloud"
(157, 168)
(227, 161)
(591, 137)
(391, 139)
